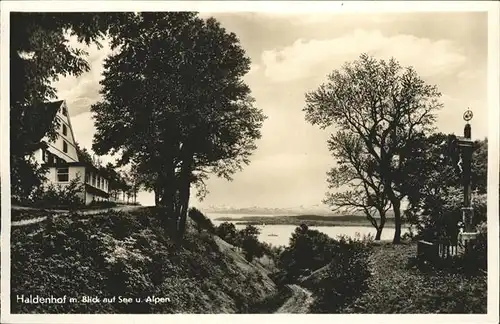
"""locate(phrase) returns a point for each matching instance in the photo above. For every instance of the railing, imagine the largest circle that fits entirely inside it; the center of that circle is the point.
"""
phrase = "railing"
(433, 251)
(447, 250)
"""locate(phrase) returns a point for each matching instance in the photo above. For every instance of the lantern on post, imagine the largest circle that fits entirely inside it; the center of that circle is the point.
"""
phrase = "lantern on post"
(466, 147)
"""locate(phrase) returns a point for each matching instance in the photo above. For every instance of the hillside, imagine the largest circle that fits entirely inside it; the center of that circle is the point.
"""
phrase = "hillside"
(126, 255)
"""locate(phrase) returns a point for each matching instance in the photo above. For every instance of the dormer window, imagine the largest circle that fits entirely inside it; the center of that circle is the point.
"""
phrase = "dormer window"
(64, 130)
(64, 111)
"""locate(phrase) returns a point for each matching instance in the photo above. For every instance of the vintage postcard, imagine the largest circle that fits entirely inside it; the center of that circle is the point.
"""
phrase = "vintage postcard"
(164, 160)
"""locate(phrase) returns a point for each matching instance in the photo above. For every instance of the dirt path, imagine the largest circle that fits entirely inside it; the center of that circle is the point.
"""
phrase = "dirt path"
(60, 213)
(298, 303)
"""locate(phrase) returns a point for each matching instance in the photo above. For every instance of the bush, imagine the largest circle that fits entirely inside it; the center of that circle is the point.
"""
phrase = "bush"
(58, 196)
(308, 251)
(228, 232)
(201, 220)
(335, 270)
(248, 238)
(344, 279)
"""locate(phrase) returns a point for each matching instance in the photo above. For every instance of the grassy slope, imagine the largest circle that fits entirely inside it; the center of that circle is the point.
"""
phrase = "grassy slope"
(396, 288)
(126, 254)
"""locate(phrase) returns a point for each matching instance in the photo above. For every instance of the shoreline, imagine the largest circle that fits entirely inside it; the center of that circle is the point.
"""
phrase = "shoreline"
(311, 224)
(272, 221)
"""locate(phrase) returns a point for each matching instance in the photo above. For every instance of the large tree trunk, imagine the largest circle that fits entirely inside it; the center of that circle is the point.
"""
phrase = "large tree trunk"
(157, 198)
(184, 204)
(379, 233)
(397, 221)
(381, 226)
(166, 183)
(184, 194)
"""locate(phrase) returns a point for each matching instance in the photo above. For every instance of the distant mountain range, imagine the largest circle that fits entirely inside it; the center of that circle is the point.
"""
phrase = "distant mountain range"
(319, 210)
(300, 210)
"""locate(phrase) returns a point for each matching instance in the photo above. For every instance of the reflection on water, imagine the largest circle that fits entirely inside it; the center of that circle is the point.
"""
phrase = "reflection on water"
(280, 234)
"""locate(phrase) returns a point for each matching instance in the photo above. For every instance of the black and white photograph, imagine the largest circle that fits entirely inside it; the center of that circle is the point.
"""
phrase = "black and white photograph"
(237, 158)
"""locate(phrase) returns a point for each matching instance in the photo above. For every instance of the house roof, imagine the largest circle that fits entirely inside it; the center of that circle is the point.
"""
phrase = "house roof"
(43, 117)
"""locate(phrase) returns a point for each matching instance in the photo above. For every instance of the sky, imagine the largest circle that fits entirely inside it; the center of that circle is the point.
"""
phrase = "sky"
(292, 54)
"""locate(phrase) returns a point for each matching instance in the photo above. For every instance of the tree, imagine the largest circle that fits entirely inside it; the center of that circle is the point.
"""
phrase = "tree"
(175, 89)
(381, 107)
(201, 220)
(39, 55)
(363, 191)
(116, 183)
(228, 232)
(308, 251)
(249, 242)
(84, 155)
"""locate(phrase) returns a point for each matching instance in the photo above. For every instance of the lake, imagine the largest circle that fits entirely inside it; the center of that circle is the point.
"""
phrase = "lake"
(284, 232)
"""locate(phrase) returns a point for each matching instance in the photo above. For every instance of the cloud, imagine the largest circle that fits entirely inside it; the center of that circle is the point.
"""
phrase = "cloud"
(469, 75)
(83, 91)
(304, 58)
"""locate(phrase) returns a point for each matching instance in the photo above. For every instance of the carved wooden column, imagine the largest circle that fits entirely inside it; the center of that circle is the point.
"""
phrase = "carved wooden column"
(466, 149)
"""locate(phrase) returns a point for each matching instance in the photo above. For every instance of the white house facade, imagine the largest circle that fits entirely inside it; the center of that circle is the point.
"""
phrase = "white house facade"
(61, 159)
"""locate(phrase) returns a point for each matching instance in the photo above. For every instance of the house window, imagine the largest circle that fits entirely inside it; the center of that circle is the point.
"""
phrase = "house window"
(45, 156)
(65, 147)
(63, 175)
(93, 179)
(64, 111)
(65, 130)
(87, 177)
(52, 158)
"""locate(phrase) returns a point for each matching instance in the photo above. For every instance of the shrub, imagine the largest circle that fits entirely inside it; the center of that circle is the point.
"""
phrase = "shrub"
(228, 232)
(336, 270)
(248, 238)
(308, 250)
(62, 196)
(344, 279)
(201, 220)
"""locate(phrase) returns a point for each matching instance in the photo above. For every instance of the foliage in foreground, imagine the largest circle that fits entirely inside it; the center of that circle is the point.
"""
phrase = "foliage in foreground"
(122, 254)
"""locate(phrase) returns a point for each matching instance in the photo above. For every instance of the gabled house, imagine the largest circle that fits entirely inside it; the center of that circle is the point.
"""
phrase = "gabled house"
(60, 155)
